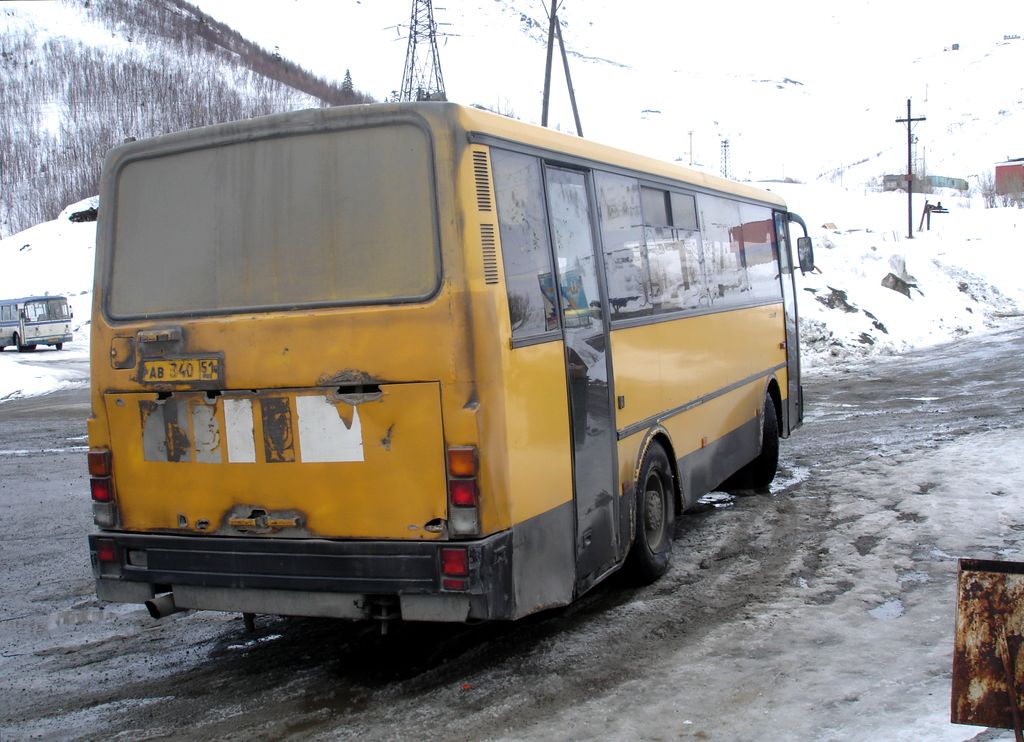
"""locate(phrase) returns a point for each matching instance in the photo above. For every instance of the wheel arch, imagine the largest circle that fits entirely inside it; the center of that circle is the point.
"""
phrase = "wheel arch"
(772, 390)
(659, 435)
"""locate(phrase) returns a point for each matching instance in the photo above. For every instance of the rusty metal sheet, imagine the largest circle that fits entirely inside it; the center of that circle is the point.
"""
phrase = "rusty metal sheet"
(989, 644)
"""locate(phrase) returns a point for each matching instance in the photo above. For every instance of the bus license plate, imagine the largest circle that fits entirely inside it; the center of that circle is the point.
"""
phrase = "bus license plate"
(181, 370)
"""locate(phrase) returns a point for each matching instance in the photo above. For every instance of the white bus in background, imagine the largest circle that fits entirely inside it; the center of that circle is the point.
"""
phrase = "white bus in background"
(35, 320)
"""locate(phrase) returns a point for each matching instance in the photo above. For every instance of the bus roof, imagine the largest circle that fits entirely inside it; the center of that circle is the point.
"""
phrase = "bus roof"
(474, 121)
(23, 299)
(491, 124)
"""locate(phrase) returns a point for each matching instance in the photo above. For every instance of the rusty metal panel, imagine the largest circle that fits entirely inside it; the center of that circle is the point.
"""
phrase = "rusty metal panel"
(987, 664)
(282, 462)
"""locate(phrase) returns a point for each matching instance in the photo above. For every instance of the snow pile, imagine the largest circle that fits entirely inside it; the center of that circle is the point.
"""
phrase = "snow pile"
(878, 292)
(54, 258)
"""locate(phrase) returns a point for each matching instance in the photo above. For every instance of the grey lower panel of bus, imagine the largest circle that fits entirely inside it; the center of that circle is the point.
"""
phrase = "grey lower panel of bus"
(706, 468)
(512, 574)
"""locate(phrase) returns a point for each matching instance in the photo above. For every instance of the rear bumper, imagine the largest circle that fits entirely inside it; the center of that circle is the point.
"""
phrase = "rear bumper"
(316, 577)
(48, 339)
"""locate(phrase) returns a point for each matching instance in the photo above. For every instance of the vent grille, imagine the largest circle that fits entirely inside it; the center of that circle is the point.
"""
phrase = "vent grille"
(483, 181)
(490, 253)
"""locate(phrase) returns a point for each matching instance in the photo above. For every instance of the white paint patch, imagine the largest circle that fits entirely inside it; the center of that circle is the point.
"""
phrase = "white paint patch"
(323, 433)
(206, 434)
(240, 431)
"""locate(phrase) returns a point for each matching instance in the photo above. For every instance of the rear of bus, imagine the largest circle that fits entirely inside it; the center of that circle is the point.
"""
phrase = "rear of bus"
(285, 410)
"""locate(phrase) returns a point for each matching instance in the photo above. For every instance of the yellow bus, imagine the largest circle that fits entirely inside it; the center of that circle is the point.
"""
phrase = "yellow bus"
(421, 362)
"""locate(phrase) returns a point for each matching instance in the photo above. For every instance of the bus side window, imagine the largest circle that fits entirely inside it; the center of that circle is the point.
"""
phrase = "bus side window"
(525, 251)
(723, 251)
(625, 263)
(760, 252)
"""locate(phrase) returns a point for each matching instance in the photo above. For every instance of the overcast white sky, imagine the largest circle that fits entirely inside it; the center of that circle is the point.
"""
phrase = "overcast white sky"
(483, 51)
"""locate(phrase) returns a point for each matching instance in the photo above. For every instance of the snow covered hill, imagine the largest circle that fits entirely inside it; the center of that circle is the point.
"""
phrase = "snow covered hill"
(876, 293)
(77, 78)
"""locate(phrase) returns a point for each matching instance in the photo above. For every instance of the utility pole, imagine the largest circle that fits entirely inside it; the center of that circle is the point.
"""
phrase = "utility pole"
(910, 121)
(555, 29)
(691, 147)
(422, 78)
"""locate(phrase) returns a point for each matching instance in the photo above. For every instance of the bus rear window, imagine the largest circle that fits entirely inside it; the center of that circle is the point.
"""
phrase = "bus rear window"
(329, 218)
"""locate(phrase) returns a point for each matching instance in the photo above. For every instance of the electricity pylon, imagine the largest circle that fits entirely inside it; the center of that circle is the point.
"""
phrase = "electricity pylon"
(422, 78)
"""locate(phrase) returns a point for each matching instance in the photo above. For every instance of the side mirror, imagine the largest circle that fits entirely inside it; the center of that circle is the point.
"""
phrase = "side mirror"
(805, 254)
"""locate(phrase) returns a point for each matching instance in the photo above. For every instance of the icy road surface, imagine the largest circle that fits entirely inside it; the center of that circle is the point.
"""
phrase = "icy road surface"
(821, 611)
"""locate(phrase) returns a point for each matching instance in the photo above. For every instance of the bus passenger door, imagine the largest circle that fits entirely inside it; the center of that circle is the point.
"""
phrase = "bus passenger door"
(794, 402)
(591, 426)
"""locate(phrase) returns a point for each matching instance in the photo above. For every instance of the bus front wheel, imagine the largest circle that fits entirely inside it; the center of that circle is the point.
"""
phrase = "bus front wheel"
(760, 472)
(651, 554)
(23, 348)
(764, 467)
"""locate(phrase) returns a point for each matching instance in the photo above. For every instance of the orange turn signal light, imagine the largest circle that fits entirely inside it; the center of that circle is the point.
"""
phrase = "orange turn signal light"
(462, 461)
(99, 462)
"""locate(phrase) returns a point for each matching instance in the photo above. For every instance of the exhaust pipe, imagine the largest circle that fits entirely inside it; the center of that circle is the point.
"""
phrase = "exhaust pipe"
(160, 606)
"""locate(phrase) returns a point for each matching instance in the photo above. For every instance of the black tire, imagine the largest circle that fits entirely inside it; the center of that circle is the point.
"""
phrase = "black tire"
(23, 348)
(651, 553)
(59, 346)
(764, 467)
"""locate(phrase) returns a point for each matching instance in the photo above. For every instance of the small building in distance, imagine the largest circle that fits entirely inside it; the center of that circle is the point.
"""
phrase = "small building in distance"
(1010, 176)
(924, 184)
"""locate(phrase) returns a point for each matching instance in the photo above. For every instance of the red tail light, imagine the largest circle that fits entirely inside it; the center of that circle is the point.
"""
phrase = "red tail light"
(454, 562)
(102, 489)
(106, 551)
(454, 568)
(463, 492)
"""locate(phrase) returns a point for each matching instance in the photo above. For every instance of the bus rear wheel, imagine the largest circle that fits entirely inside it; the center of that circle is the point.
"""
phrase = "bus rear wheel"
(651, 553)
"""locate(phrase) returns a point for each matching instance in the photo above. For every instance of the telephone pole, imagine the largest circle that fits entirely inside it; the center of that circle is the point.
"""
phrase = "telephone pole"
(910, 121)
(555, 30)
(422, 78)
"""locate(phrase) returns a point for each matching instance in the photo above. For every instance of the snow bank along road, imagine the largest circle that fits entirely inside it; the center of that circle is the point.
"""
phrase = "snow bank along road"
(821, 611)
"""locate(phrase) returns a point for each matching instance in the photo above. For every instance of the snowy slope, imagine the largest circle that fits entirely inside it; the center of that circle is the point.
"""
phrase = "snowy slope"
(799, 89)
(644, 82)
